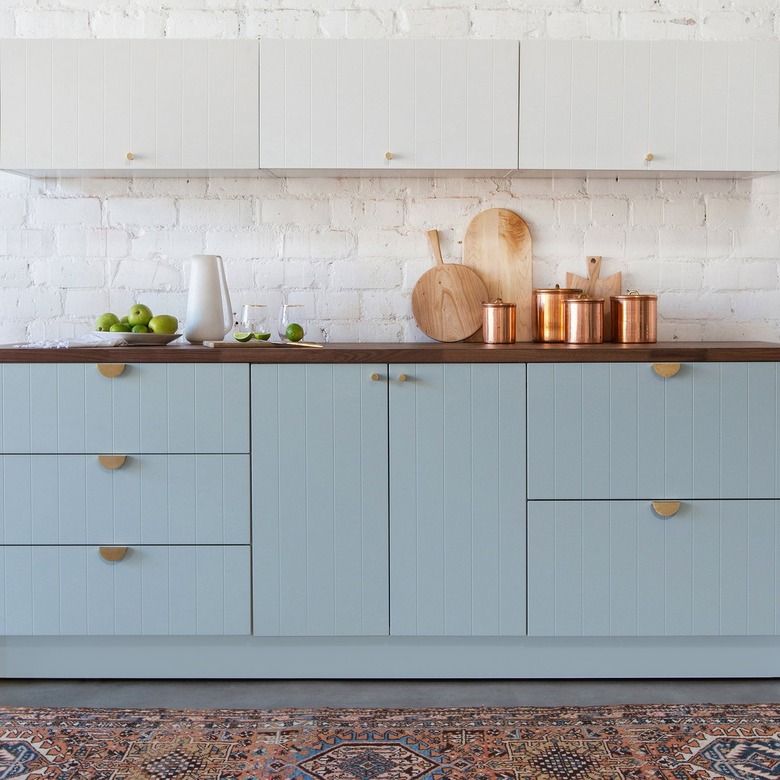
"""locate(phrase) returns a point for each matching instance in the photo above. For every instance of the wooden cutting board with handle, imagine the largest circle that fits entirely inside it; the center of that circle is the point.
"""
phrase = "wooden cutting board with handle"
(598, 287)
(447, 300)
(498, 246)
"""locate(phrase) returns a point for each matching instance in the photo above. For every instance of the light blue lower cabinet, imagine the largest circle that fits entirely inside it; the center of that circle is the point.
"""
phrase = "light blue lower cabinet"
(319, 497)
(176, 591)
(149, 499)
(615, 568)
(457, 500)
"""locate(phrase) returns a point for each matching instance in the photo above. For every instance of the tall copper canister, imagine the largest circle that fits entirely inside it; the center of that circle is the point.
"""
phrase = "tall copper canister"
(499, 322)
(584, 320)
(634, 318)
(549, 313)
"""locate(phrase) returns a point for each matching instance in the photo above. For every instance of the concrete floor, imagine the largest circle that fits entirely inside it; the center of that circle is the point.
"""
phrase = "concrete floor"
(242, 694)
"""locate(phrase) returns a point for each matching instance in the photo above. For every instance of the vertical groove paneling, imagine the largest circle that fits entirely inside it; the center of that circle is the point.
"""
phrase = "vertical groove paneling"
(599, 568)
(457, 457)
(319, 465)
(71, 590)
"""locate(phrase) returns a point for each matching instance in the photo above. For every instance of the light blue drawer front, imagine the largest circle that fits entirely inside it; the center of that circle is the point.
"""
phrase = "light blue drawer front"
(320, 510)
(152, 591)
(457, 500)
(614, 568)
(150, 407)
(613, 431)
(151, 499)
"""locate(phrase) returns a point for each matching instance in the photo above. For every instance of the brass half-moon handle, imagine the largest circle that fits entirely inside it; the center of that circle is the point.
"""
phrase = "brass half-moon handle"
(666, 369)
(110, 370)
(402, 377)
(112, 554)
(666, 508)
(112, 462)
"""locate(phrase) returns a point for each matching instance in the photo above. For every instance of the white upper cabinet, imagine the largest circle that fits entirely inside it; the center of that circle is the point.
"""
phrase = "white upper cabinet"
(393, 104)
(128, 106)
(649, 106)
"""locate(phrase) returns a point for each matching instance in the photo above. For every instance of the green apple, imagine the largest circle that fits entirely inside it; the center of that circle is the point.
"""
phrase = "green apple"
(163, 323)
(105, 321)
(139, 314)
(140, 329)
(120, 327)
(125, 320)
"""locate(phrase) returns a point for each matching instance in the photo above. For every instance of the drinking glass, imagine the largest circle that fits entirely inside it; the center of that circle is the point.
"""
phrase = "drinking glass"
(290, 316)
(253, 323)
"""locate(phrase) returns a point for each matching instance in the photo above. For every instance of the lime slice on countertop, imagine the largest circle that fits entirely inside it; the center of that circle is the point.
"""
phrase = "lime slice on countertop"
(242, 337)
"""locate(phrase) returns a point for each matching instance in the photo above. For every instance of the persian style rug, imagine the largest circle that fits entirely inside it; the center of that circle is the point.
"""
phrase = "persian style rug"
(699, 742)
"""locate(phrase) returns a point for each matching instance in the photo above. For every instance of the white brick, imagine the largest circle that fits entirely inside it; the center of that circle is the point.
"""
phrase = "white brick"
(687, 243)
(167, 243)
(378, 331)
(26, 243)
(69, 272)
(357, 24)
(86, 304)
(52, 24)
(242, 186)
(347, 212)
(576, 24)
(732, 212)
(674, 305)
(686, 213)
(654, 25)
(563, 243)
(343, 332)
(757, 243)
(385, 305)
(72, 241)
(510, 23)
(13, 332)
(303, 274)
(215, 213)
(617, 187)
(287, 23)
(10, 184)
(300, 242)
(170, 187)
(433, 23)
(130, 23)
(535, 211)
(155, 212)
(7, 24)
(137, 274)
(202, 24)
(14, 272)
(30, 303)
(12, 211)
(727, 25)
(440, 212)
(697, 187)
(365, 274)
(390, 243)
(324, 187)
(740, 275)
(288, 211)
(65, 211)
(262, 242)
(647, 211)
(609, 211)
(338, 306)
(574, 212)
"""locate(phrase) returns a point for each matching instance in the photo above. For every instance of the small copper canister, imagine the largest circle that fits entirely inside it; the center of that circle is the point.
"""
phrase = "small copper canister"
(499, 322)
(634, 318)
(549, 313)
(584, 318)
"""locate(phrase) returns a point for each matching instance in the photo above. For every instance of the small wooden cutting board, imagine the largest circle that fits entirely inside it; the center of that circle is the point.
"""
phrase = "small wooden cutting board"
(498, 246)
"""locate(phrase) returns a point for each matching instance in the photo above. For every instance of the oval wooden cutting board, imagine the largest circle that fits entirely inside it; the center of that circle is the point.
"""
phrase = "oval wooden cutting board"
(447, 300)
(498, 246)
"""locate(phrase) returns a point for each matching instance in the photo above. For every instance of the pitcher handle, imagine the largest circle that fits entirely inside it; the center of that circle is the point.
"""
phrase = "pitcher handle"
(227, 308)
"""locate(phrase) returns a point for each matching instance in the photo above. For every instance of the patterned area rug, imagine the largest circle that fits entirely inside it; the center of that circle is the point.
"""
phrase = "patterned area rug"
(579, 743)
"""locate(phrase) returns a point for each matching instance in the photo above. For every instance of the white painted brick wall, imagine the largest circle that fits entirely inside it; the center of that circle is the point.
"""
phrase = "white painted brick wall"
(351, 249)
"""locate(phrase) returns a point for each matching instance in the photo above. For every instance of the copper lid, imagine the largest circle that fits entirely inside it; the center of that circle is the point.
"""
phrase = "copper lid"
(633, 296)
(561, 290)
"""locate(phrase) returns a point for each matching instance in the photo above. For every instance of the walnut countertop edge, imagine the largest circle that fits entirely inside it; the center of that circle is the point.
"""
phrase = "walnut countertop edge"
(365, 352)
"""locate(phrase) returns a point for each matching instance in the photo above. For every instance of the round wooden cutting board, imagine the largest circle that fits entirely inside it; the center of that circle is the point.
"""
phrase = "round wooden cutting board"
(447, 300)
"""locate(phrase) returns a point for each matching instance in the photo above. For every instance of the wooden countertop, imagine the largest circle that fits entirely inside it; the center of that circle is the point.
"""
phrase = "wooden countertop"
(674, 351)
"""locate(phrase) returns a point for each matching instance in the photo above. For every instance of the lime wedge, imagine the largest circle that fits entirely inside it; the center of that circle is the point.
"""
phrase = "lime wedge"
(262, 336)
(242, 337)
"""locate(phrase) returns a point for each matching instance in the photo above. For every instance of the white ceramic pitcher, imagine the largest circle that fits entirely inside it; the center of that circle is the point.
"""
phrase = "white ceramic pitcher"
(209, 313)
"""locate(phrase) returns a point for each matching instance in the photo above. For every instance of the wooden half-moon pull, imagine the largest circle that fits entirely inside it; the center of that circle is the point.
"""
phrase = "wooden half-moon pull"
(112, 554)
(110, 370)
(666, 508)
(666, 369)
(112, 462)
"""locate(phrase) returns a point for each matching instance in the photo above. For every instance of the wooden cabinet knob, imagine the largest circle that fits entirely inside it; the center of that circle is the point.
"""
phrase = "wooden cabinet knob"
(112, 554)
(666, 508)
(388, 155)
(666, 369)
(112, 462)
(374, 377)
(649, 157)
(130, 156)
(402, 377)
(110, 370)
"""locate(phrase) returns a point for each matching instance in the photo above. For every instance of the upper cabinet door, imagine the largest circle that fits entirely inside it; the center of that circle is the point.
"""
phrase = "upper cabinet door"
(128, 105)
(388, 104)
(654, 106)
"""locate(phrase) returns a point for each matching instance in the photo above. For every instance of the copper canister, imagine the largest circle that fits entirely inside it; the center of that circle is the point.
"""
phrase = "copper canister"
(584, 320)
(549, 313)
(634, 318)
(499, 322)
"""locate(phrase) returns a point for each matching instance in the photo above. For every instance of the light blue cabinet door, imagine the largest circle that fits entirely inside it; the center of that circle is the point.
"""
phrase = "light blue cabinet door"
(71, 590)
(457, 500)
(614, 568)
(150, 407)
(319, 493)
(620, 431)
(150, 499)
